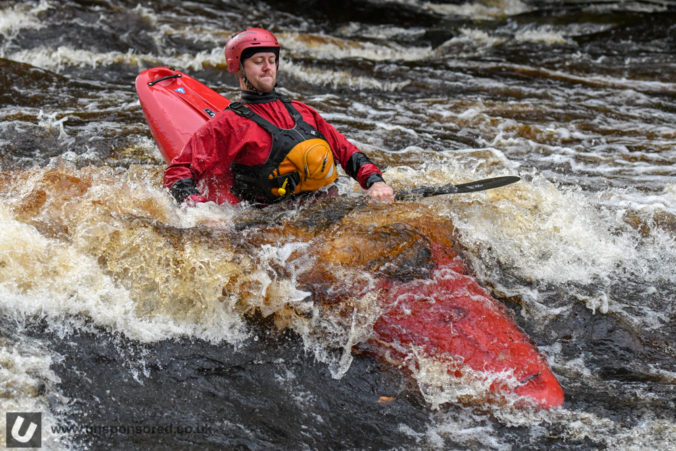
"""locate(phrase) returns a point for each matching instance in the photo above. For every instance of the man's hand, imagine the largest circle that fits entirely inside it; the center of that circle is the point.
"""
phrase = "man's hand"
(381, 191)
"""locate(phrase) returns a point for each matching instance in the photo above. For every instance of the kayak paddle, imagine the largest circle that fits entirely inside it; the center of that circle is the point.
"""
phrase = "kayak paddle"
(470, 187)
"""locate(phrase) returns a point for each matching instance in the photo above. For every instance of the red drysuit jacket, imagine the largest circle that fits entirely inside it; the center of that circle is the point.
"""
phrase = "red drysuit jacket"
(229, 138)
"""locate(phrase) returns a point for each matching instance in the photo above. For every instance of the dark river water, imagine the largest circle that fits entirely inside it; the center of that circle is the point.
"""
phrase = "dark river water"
(129, 322)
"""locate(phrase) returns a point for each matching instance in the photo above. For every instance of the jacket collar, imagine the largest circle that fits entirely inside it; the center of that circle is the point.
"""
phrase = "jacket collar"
(251, 97)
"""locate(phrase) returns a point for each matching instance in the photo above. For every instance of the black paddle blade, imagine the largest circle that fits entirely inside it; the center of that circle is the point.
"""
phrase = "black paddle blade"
(470, 187)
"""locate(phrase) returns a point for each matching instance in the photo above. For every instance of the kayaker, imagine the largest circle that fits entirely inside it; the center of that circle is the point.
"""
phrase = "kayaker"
(266, 147)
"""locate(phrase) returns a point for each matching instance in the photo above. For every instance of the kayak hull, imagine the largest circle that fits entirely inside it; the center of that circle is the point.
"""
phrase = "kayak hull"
(450, 320)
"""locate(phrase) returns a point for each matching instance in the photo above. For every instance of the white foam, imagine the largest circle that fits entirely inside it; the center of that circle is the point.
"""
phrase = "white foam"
(650, 6)
(62, 57)
(439, 385)
(547, 236)
(329, 47)
(21, 16)
(336, 78)
(473, 36)
(459, 428)
(479, 9)
(62, 281)
(647, 433)
(543, 35)
(50, 123)
(28, 384)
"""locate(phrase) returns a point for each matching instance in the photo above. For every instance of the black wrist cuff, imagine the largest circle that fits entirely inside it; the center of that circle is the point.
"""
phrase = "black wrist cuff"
(182, 189)
(356, 161)
(373, 178)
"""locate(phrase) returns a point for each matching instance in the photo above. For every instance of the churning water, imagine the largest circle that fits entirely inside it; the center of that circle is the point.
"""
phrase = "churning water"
(131, 322)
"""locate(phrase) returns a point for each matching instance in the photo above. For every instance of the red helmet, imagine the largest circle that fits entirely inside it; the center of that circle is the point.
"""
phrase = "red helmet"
(249, 38)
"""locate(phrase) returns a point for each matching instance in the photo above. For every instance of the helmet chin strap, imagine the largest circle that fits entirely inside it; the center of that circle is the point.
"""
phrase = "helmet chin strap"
(247, 83)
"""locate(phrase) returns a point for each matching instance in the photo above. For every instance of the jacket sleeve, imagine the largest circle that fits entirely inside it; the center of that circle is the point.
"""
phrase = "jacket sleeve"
(207, 147)
(178, 176)
(355, 163)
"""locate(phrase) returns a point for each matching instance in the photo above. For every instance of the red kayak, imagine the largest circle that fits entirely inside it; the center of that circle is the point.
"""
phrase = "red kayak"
(450, 321)
(175, 106)
(446, 318)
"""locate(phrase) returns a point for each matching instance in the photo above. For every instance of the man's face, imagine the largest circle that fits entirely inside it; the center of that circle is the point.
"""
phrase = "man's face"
(261, 71)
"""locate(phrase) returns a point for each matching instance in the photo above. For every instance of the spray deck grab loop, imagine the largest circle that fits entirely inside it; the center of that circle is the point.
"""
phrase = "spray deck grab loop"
(150, 83)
